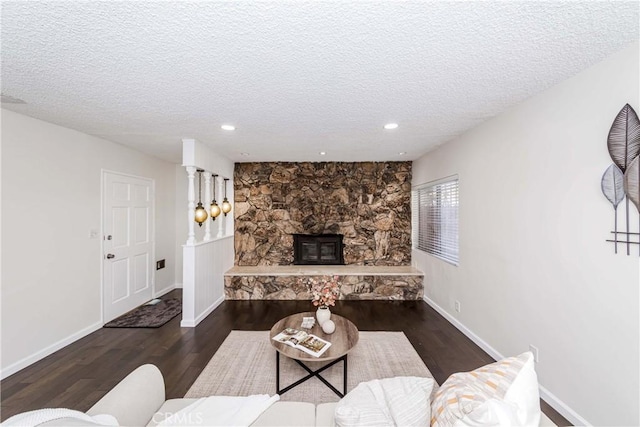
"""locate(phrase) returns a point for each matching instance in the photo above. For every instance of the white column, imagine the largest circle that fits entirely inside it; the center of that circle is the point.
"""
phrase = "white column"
(191, 198)
(221, 218)
(229, 226)
(207, 195)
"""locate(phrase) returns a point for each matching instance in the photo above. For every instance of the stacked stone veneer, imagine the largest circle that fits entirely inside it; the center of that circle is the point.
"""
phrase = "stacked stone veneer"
(400, 287)
(368, 202)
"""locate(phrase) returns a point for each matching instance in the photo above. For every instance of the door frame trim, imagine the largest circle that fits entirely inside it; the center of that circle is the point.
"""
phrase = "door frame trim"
(103, 173)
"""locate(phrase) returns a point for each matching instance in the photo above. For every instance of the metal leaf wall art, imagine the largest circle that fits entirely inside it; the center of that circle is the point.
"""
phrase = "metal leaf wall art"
(613, 189)
(632, 182)
(624, 138)
(623, 177)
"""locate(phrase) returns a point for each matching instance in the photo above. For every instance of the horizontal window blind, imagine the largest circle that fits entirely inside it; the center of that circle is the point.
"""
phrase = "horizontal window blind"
(435, 219)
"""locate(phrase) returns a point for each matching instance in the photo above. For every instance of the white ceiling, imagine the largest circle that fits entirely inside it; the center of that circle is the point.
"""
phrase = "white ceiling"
(295, 78)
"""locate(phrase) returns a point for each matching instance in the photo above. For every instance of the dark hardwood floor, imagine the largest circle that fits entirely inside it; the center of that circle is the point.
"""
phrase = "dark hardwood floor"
(81, 373)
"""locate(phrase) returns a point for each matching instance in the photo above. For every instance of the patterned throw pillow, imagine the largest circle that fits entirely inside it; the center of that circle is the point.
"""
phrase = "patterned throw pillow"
(502, 393)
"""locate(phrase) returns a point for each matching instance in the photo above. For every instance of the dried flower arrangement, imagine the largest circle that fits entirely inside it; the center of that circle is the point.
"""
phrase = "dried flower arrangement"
(324, 291)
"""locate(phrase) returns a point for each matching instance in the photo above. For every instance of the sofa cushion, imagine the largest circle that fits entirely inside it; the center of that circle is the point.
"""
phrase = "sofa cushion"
(501, 393)
(394, 401)
(288, 414)
(279, 414)
(325, 414)
(134, 399)
(69, 422)
(59, 417)
(169, 408)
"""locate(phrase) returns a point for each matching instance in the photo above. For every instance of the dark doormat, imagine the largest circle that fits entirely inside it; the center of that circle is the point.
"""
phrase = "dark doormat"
(148, 316)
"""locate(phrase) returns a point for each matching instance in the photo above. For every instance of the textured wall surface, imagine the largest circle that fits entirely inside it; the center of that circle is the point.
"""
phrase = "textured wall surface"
(402, 287)
(368, 202)
(147, 73)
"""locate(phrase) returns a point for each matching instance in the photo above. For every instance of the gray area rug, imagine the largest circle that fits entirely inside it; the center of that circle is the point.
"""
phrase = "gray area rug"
(148, 316)
(245, 364)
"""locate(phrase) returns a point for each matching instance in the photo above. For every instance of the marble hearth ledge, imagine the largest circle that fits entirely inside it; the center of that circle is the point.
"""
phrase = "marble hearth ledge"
(323, 270)
(286, 282)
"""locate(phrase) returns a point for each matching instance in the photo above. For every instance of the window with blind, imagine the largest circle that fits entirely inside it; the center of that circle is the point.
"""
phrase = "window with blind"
(435, 219)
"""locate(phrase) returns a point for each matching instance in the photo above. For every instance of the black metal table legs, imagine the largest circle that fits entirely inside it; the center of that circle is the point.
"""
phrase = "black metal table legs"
(312, 374)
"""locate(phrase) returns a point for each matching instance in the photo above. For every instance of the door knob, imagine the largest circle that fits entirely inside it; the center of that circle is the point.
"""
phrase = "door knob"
(109, 256)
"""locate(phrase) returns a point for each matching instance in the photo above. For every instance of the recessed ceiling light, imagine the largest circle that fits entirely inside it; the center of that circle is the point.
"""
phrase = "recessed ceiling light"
(228, 127)
(322, 153)
(402, 153)
(244, 154)
(391, 126)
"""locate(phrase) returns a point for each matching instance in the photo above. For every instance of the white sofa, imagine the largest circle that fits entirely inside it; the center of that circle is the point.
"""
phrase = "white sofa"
(139, 400)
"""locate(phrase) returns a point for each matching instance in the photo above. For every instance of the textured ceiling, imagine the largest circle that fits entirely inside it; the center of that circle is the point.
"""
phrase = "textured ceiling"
(295, 78)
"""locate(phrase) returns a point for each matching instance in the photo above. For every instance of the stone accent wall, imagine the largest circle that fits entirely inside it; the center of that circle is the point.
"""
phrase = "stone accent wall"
(368, 202)
(402, 287)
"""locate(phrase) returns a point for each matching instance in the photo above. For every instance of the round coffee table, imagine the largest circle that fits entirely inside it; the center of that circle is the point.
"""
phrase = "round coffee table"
(343, 340)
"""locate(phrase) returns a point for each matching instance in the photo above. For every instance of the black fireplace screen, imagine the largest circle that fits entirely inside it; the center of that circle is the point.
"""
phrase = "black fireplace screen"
(320, 249)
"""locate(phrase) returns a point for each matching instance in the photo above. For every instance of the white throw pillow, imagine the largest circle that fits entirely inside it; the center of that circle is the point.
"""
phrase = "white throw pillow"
(501, 393)
(398, 401)
(524, 394)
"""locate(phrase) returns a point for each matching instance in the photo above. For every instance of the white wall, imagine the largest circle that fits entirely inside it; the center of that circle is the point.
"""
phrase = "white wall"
(534, 264)
(182, 226)
(51, 199)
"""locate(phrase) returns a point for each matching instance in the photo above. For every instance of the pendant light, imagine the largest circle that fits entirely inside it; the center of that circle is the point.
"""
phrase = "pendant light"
(226, 206)
(214, 209)
(201, 212)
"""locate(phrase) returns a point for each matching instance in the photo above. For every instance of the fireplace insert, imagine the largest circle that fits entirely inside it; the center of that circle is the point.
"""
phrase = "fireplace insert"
(317, 249)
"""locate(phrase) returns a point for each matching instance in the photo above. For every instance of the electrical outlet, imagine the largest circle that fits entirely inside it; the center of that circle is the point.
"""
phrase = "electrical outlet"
(457, 306)
(160, 264)
(533, 349)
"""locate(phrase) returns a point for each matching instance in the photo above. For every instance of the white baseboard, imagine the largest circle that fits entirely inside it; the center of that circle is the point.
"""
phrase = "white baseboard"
(455, 322)
(562, 408)
(158, 294)
(29, 360)
(545, 394)
(192, 323)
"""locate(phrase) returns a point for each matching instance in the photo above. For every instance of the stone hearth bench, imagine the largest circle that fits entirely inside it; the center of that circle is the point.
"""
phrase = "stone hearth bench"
(287, 282)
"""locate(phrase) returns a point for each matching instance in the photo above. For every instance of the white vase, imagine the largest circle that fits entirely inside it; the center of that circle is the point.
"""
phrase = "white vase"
(323, 314)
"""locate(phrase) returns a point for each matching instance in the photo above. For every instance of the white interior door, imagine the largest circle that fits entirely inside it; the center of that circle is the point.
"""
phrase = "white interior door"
(127, 243)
